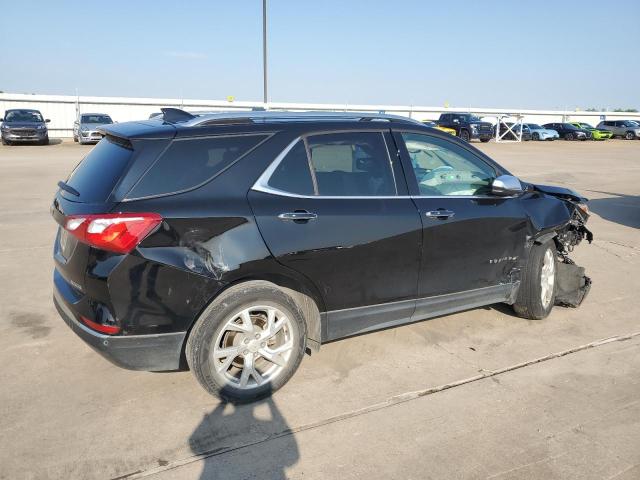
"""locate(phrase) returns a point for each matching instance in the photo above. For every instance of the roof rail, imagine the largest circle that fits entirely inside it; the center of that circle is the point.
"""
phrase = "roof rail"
(216, 118)
(175, 115)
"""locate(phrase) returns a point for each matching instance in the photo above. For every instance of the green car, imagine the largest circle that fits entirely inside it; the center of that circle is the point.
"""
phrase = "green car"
(595, 133)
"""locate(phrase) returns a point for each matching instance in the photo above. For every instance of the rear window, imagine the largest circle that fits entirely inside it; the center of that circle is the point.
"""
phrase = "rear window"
(97, 174)
(189, 163)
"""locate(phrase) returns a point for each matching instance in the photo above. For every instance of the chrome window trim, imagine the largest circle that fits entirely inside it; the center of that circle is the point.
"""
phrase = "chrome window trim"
(262, 184)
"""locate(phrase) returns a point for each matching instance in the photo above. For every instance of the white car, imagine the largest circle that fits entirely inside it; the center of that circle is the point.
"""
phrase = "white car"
(541, 133)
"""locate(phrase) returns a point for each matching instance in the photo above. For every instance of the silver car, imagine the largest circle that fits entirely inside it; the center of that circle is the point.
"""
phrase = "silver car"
(85, 129)
(629, 129)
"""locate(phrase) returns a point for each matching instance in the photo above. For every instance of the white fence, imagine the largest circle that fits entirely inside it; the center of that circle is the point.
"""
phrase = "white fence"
(62, 109)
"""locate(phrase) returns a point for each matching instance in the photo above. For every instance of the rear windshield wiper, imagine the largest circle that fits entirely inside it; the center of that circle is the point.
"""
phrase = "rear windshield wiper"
(68, 188)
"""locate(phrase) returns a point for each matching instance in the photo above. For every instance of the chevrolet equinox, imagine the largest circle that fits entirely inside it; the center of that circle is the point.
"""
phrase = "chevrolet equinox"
(234, 243)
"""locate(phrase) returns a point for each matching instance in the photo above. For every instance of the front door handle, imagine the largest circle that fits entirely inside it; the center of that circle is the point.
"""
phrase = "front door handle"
(441, 214)
(298, 215)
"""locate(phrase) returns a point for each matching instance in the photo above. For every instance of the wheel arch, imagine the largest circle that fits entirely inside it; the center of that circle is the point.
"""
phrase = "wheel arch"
(303, 292)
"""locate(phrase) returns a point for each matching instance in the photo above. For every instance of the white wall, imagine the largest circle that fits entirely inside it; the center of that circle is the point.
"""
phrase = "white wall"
(61, 109)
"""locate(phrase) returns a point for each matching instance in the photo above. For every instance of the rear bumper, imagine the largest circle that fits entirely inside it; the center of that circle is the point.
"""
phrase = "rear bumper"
(134, 352)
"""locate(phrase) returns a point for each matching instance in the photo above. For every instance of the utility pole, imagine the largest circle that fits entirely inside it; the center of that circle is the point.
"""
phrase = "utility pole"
(264, 51)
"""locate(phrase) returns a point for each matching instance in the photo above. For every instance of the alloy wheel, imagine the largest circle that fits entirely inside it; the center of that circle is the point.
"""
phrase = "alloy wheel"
(254, 347)
(547, 278)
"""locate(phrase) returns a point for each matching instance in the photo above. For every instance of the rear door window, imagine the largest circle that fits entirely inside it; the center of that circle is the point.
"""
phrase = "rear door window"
(293, 174)
(97, 174)
(191, 162)
(351, 164)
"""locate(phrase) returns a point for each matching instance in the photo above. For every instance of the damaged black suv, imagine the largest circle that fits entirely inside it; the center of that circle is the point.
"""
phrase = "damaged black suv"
(235, 243)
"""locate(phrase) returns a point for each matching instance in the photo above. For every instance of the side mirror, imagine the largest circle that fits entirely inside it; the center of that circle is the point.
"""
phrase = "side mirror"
(47, 120)
(506, 186)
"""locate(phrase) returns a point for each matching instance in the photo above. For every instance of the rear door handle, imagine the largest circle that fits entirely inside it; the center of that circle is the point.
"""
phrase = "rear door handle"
(440, 214)
(301, 215)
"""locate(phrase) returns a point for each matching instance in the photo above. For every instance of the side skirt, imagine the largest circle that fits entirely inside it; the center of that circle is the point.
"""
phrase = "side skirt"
(353, 321)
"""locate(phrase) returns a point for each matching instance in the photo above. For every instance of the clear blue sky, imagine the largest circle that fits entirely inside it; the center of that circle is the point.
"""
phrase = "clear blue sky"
(537, 54)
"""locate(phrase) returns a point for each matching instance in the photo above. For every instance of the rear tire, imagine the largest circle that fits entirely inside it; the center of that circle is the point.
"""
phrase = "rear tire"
(537, 292)
(222, 329)
(484, 140)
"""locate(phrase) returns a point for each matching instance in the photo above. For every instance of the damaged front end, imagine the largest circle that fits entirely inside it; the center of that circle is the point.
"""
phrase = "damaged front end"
(572, 285)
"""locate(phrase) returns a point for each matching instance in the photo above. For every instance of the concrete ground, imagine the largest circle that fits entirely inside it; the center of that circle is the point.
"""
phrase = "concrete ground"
(480, 394)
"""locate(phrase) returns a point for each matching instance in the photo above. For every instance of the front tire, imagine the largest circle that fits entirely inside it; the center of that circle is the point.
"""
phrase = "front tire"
(630, 135)
(536, 137)
(464, 135)
(248, 343)
(537, 292)
(6, 142)
(568, 136)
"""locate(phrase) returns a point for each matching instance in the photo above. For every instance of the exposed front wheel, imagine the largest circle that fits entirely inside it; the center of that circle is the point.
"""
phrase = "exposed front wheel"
(248, 343)
(464, 135)
(535, 136)
(630, 135)
(5, 142)
(569, 136)
(537, 292)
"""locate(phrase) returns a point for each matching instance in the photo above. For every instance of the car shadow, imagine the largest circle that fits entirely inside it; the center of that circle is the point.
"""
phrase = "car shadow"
(222, 436)
(618, 208)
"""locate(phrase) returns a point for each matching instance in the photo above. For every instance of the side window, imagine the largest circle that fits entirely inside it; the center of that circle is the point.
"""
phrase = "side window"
(351, 164)
(191, 162)
(293, 174)
(444, 168)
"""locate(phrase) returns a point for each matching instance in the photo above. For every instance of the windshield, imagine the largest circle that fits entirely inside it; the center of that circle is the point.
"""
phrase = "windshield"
(568, 126)
(585, 125)
(470, 118)
(534, 126)
(96, 119)
(23, 116)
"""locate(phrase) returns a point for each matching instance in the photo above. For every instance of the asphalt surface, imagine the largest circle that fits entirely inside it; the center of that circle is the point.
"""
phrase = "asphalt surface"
(480, 394)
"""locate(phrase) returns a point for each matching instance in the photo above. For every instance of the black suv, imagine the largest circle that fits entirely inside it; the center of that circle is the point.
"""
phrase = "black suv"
(467, 126)
(569, 131)
(24, 125)
(236, 242)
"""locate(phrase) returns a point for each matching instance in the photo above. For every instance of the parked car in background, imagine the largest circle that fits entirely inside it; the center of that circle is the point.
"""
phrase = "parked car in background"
(540, 133)
(568, 131)
(596, 134)
(513, 131)
(432, 124)
(24, 125)
(239, 240)
(629, 129)
(86, 128)
(467, 126)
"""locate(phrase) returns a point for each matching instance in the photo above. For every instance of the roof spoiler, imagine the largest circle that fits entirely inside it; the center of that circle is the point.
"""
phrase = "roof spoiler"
(175, 115)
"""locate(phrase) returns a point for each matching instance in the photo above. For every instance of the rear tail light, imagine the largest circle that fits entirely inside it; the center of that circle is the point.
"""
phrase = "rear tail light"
(99, 327)
(115, 232)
